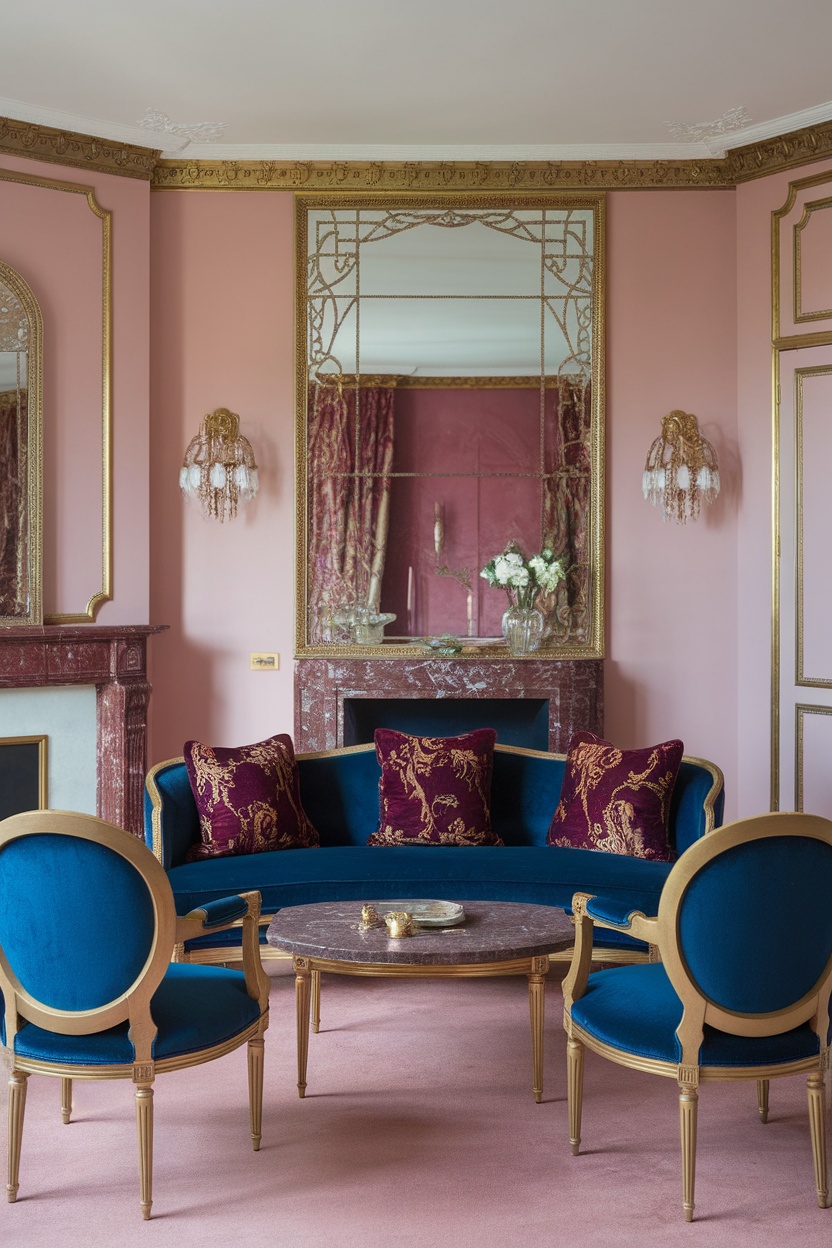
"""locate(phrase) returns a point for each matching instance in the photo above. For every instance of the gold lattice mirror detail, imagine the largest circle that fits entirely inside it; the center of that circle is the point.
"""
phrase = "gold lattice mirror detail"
(449, 403)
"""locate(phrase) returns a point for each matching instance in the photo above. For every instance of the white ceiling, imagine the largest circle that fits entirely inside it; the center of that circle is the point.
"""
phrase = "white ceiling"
(425, 79)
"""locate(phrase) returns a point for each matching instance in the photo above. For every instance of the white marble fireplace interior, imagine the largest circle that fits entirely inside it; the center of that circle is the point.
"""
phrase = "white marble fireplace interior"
(518, 721)
(66, 715)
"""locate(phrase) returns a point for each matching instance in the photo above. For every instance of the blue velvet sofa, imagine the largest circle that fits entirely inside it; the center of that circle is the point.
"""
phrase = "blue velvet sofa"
(339, 789)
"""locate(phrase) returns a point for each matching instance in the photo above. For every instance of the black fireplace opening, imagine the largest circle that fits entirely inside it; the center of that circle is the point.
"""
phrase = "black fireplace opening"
(517, 721)
(22, 774)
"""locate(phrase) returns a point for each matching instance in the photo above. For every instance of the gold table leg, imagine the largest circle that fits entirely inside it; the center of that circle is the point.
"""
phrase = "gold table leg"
(316, 1001)
(537, 995)
(303, 984)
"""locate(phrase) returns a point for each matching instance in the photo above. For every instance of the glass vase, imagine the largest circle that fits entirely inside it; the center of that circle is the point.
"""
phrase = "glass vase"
(523, 629)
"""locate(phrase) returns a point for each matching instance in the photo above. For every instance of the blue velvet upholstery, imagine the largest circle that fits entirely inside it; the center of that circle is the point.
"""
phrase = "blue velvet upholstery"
(339, 791)
(687, 806)
(194, 1008)
(293, 877)
(59, 893)
(611, 910)
(223, 911)
(771, 903)
(635, 1008)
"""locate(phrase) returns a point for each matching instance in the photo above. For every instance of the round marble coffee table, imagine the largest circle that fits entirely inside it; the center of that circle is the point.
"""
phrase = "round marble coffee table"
(496, 938)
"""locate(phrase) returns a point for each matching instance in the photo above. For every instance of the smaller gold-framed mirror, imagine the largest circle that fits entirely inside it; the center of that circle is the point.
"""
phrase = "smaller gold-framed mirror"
(21, 454)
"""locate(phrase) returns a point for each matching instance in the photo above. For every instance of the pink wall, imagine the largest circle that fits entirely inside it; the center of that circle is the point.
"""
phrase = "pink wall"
(221, 316)
(222, 313)
(54, 239)
(689, 611)
(671, 590)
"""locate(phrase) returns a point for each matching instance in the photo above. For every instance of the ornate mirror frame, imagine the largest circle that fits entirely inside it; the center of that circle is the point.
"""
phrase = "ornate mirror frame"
(590, 315)
(95, 594)
(21, 454)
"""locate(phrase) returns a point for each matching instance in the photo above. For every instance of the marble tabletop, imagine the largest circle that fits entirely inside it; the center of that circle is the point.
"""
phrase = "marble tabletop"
(493, 931)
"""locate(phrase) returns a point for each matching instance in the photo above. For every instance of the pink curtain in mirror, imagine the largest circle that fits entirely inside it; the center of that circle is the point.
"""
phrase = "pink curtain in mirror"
(566, 508)
(13, 535)
(350, 457)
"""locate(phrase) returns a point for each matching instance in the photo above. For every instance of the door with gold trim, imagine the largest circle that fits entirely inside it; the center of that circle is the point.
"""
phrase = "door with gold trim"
(803, 598)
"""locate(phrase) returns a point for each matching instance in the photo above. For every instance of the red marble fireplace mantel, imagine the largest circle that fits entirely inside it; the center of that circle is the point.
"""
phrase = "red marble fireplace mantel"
(574, 689)
(114, 659)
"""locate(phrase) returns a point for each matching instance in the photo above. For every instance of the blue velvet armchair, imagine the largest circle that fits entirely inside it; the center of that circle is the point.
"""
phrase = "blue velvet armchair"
(744, 932)
(87, 929)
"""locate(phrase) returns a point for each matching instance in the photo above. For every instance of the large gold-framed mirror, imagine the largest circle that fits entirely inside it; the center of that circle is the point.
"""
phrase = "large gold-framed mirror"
(449, 403)
(21, 368)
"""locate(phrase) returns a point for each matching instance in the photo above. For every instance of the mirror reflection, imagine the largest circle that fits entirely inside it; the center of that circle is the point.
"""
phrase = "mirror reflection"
(20, 468)
(449, 409)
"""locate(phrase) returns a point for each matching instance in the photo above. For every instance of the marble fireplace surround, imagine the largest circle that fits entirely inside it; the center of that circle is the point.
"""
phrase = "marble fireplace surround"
(114, 659)
(326, 689)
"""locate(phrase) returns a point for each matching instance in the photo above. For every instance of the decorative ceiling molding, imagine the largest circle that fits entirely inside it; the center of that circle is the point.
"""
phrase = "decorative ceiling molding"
(785, 151)
(188, 131)
(67, 147)
(734, 119)
(518, 175)
(740, 164)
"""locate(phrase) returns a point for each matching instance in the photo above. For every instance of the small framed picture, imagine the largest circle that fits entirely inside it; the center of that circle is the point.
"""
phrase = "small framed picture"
(23, 775)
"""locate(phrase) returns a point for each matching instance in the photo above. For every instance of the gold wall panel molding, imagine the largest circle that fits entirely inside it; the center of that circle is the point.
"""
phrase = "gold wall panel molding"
(66, 147)
(801, 679)
(801, 710)
(105, 216)
(809, 210)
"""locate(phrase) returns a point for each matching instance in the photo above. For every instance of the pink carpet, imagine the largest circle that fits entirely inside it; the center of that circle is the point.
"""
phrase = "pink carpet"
(419, 1129)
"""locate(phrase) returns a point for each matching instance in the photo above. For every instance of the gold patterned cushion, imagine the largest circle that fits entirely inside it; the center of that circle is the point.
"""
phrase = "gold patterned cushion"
(616, 800)
(248, 798)
(435, 790)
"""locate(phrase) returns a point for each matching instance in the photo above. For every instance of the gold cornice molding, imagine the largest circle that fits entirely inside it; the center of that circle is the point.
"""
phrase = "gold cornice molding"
(741, 164)
(66, 147)
(784, 151)
(433, 176)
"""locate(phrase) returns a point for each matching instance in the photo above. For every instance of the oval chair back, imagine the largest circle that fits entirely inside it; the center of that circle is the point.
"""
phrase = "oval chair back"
(746, 921)
(87, 925)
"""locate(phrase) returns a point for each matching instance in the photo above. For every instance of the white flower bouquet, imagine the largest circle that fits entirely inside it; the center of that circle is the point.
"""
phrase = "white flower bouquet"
(523, 579)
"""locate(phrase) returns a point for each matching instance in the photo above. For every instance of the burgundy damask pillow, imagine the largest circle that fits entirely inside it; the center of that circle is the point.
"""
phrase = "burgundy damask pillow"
(616, 800)
(435, 790)
(248, 798)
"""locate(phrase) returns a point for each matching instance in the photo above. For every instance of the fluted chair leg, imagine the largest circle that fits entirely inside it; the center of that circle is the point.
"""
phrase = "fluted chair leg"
(17, 1107)
(66, 1100)
(688, 1108)
(255, 1090)
(762, 1099)
(144, 1126)
(574, 1091)
(817, 1126)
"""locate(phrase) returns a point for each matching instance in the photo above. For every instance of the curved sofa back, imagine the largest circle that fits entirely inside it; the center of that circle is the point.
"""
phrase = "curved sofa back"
(339, 790)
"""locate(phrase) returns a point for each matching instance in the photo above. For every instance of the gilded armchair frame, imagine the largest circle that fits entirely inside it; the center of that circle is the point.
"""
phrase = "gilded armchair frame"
(133, 1006)
(660, 932)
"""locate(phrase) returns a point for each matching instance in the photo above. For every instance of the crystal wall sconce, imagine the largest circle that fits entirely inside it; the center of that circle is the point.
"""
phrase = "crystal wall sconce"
(219, 468)
(682, 470)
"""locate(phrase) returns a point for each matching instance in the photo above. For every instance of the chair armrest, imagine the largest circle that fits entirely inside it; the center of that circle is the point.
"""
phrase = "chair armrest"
(607, 912)
(226, 912)
(216, 915)
(591, 911)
